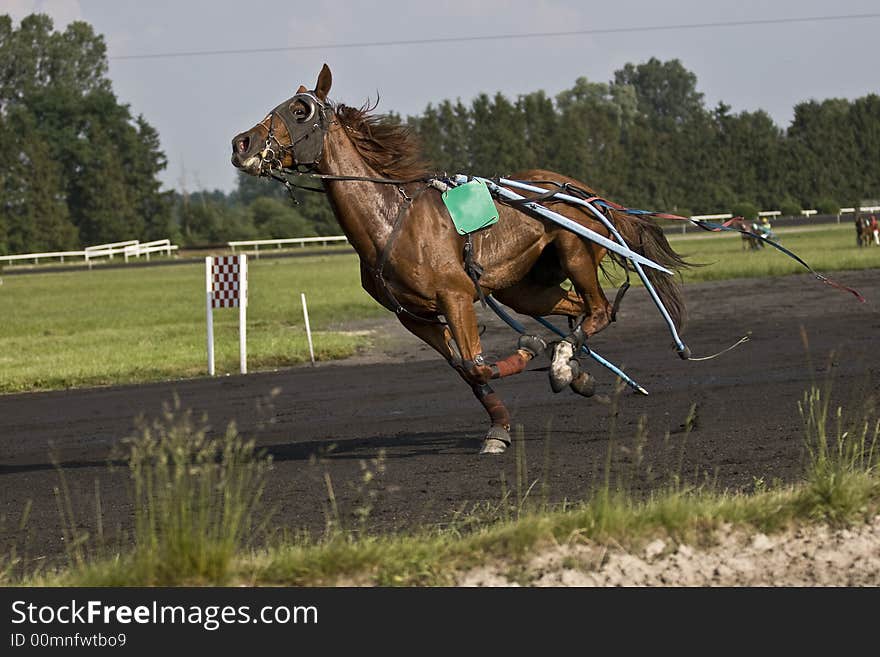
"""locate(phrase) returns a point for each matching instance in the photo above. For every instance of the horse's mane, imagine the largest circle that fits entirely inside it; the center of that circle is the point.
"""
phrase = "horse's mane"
(388, 146)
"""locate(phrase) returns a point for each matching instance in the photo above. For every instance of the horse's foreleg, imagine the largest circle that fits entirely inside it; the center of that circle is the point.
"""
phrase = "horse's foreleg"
(437, 336)
(459, 312)
(497, 440)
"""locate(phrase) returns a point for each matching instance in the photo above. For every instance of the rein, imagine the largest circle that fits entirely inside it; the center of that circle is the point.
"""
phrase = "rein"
(379, 270)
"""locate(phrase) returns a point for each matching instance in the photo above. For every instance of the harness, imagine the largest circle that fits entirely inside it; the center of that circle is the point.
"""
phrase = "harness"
(307, 121)
(379, 270)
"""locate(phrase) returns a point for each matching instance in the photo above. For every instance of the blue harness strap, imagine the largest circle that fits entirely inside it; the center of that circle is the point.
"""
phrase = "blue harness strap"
(519, 328)
(680, 347)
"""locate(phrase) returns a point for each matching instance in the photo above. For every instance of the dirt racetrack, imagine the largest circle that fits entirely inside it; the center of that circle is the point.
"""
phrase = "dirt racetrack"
(401, 400)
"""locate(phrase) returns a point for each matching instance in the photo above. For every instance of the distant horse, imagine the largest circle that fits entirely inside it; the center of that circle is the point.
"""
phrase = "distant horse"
(749, 242)
(414, 262)
(864, 234)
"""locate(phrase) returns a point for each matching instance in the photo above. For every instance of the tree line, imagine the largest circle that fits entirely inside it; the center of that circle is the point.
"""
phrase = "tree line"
(647, 139)
(77, 168)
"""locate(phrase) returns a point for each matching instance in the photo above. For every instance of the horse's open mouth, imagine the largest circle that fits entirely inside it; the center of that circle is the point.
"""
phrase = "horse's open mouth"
(252, 165)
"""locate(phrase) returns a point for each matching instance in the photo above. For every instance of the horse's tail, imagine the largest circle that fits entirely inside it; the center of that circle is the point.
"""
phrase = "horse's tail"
(644, 236)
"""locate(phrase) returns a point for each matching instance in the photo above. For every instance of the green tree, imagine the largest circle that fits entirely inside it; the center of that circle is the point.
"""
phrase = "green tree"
(594, 117)
(495, 137)
(58, 111)
(827, 206)
(312, 206)
(789, 207)
(209, 221)
(277, 219)
(745, 209)
(647, 140)
(33, 211)
(666, 92)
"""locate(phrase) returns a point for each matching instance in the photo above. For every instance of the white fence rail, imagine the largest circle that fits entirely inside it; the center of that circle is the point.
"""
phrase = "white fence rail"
(136, 249)
(778, 213)
(145, 249)
(127, 249)
(36, 257)
(301, 241)
(107, 250)
(869, 208)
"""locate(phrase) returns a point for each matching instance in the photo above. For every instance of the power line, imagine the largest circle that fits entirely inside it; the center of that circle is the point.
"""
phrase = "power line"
(501, 37)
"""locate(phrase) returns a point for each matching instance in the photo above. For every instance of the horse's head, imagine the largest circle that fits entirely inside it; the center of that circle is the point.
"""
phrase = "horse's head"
(291, 135)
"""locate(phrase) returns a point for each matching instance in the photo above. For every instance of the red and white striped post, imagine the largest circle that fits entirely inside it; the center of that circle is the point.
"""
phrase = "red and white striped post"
(226, 286)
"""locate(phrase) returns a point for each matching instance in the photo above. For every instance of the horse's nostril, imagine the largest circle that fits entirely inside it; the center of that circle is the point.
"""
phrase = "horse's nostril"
(242, 144)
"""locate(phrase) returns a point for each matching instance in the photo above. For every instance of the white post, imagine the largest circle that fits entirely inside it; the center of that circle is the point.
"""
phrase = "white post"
(308, 328)
(242, 310)
(209, 293)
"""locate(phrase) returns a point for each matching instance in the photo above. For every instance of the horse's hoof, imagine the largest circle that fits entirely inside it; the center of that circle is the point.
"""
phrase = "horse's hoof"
(584, 384)
(497, 441)
(532, 344)
(562, 366)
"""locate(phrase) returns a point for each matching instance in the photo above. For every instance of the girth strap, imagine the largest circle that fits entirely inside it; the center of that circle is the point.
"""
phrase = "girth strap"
(379, 269)
(473, 268)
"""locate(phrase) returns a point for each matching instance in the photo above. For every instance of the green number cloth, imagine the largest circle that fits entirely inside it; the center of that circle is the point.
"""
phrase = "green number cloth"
(470, 206)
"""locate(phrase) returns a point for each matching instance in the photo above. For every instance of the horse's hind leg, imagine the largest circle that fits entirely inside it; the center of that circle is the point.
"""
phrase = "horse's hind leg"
(531, 298)
(580, 262)
(469, 365)
(538, 300)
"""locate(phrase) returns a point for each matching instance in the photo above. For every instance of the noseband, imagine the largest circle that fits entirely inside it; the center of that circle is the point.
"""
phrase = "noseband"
(306, 130)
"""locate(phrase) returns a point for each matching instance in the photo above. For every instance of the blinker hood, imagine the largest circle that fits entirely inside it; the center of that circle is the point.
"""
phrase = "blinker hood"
(306, 131)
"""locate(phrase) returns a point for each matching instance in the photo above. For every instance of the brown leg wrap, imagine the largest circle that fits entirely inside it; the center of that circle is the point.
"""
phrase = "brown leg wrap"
(513, 364)
(494, 406)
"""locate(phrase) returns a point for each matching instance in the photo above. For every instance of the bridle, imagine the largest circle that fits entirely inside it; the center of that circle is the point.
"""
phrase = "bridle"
(306, 131)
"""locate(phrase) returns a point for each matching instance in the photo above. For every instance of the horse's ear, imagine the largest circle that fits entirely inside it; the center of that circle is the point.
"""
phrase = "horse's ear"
(301, 89)
(325, 79)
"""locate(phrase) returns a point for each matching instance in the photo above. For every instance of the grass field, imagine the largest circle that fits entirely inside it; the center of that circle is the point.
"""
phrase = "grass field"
(101, 327)
(827, 248)
(122, 326)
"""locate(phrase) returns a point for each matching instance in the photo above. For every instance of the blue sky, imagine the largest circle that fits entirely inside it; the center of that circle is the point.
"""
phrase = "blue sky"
(199, 102)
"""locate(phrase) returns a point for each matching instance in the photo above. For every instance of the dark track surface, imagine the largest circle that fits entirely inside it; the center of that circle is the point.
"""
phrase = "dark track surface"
(403, 400)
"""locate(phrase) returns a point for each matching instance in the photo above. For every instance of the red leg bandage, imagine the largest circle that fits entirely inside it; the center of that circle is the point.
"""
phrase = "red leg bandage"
(513, 364)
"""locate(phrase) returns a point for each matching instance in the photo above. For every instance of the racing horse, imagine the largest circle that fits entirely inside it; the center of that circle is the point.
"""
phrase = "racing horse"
(864, 235)
(750, 241)
(414, 262)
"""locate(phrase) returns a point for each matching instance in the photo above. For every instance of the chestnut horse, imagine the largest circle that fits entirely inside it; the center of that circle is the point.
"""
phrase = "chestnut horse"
(413, 261)
(747, 232)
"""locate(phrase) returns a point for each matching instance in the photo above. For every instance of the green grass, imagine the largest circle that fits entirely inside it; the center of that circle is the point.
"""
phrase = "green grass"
(191, 525)
(101, 327)
(831, 248)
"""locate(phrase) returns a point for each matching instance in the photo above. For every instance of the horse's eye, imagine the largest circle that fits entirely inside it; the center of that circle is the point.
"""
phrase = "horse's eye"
(299, 111)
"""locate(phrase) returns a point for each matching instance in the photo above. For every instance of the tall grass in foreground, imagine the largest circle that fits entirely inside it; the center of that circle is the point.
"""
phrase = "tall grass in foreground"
(843, 458)
(198, 503)
(196, 499)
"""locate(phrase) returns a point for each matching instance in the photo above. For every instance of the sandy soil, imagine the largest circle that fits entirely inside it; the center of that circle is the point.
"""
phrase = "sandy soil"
(809, 556)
